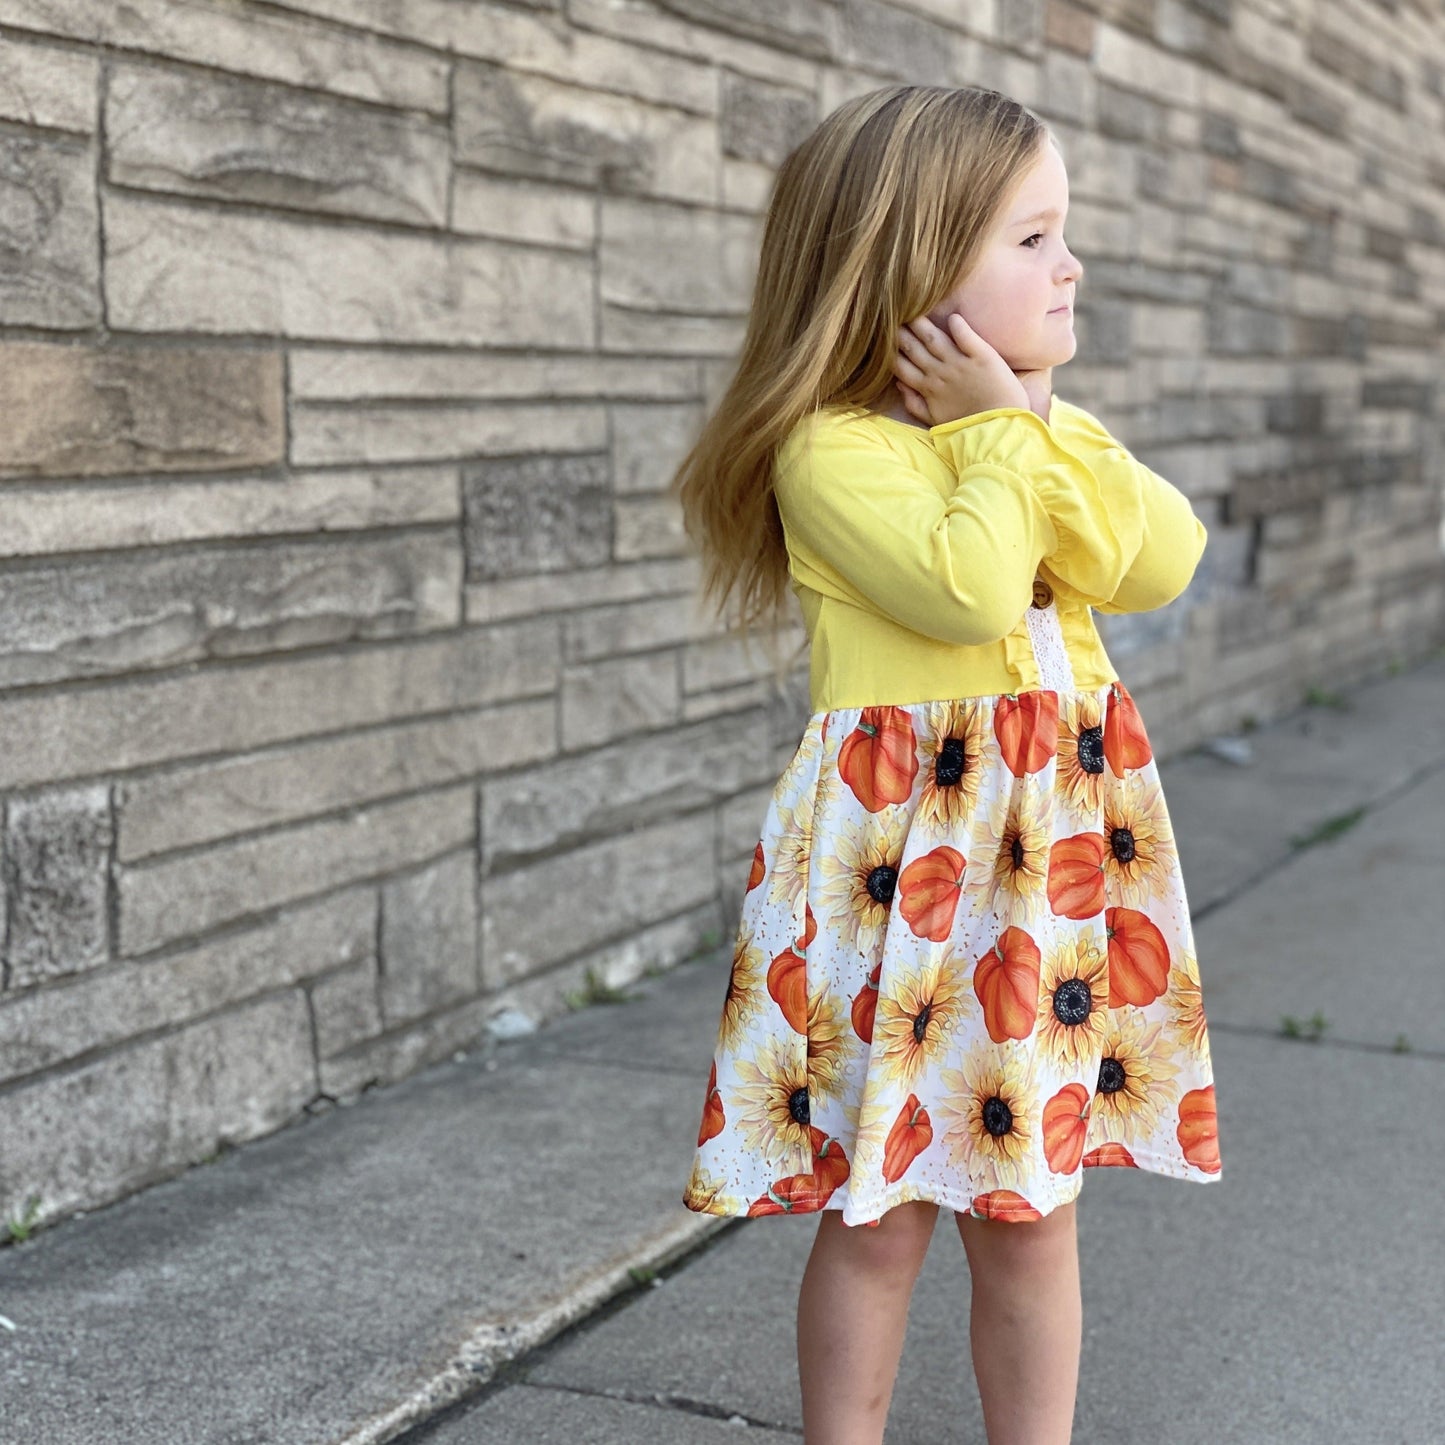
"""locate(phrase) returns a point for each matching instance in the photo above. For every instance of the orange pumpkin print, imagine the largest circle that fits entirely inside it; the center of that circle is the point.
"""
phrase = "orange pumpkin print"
(1138, 958)
(806, 1193)
(712, 1110)
(1005, 1204)
(911, 1134)
(1126, 745)
(810, 929)
(1076, 876)
(1026, 725)
(865, 1006)
(1115, 1154)
(788, 984)
(879, 758)
(964, 971)
(928, 891)
(1199, 1129)
(1066, 1126)
(1006, 980)
(758, 871)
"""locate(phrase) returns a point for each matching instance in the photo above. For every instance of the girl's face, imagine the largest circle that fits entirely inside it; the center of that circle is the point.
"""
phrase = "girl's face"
(1020, 294)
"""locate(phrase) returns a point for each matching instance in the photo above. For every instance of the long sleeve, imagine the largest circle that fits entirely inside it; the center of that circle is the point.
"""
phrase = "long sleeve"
(864, 524)
(1172, 538)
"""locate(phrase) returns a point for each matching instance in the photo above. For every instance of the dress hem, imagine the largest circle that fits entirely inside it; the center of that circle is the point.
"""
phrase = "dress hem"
(870, 1212)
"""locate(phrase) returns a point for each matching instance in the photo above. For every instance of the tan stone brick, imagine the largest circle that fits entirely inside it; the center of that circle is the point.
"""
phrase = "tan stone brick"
(528, 596)
(250, 41)
(86, 411)
(614, 888)
(656, 257)
(513, 210)
(171, 899)
(41, 1028)
(529, 125)
(82, 618)
(128, 723)
(640, 23)
(205, 802)
(175, 268)
(391, 432)
(40, 519)
(242, 140)
(49, 234)
(44, 86)
(341, 374)
(648, 527)
(622, 696)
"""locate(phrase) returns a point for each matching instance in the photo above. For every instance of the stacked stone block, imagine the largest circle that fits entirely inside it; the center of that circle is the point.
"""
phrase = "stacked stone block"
(354, 697)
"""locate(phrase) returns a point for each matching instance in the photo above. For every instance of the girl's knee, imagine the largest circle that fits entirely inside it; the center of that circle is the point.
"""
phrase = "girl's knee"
(1018, 1244)
(900, 1238)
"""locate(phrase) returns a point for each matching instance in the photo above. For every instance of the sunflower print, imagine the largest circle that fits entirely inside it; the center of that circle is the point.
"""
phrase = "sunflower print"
(989, 1112)
(788, 876)
(1080, 776)
(1140, 860)
(827, 1042)
(1013, 846)
(1137, 1082)
(1074, 1000)
(773, 1111)
(1040, 1036)
(860, 876)
(804, 768)
(1185, 1003)
(918, 1013)
(956, 751)
(703, 1188)
(744, 997)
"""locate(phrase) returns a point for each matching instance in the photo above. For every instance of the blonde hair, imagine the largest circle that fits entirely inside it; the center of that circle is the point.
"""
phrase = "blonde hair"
(873, 220)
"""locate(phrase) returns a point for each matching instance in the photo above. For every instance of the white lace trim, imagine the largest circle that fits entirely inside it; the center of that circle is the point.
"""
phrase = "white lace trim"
(1051, 655)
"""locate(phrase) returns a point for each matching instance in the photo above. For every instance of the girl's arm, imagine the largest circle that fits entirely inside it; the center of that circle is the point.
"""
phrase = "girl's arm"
(1172, 537)
(866, 526)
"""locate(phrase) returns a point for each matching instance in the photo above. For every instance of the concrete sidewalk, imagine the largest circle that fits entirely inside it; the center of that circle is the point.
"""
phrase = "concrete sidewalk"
(351, 1277)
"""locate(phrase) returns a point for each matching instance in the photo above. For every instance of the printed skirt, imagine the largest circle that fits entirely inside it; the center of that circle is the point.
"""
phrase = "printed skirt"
(964, 969)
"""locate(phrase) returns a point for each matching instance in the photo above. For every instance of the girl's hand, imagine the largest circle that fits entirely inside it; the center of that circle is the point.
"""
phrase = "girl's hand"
(943, 375)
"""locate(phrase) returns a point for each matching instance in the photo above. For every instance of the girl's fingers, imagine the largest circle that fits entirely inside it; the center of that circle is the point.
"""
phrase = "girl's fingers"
(913, 403)
(939, 344)
(904, 369)
(961, 332)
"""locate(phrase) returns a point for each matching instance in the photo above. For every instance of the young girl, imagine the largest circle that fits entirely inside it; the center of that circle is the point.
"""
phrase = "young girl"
(964, 970)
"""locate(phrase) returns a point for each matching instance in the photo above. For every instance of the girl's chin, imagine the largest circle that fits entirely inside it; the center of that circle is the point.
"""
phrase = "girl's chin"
(1043, 360)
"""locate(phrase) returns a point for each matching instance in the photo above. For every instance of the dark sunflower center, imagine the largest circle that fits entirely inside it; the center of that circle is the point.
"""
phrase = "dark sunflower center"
(881, 881)
(920, 1022)
(1072, 1001)
(798, 1106)
(998, 1118)
(1091, 750)
(1016, 852)
(948, 767)
(1121, 840)
(1111, 1076)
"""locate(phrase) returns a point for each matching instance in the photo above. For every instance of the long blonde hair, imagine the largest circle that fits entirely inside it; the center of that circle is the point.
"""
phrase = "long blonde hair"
(873, 220)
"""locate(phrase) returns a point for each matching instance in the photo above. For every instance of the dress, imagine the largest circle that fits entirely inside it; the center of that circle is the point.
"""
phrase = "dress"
(964, 969)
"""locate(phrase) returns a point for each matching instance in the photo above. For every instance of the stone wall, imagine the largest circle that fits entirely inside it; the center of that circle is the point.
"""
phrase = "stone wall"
(352, 691)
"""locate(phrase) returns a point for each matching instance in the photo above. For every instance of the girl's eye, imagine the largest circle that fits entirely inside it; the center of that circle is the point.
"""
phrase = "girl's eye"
(1037, 236)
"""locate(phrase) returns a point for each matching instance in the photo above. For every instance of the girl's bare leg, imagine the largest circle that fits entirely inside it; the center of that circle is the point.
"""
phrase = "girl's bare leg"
(1025, 1324)
(852, 1315)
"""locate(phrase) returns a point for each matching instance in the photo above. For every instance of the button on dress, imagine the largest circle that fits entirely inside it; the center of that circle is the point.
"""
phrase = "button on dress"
(964, 969)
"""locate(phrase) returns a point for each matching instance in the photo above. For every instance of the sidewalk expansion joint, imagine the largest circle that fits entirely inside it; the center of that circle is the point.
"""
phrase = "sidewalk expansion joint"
(1267, 871)
(1364, 1045)
(681, 1404)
